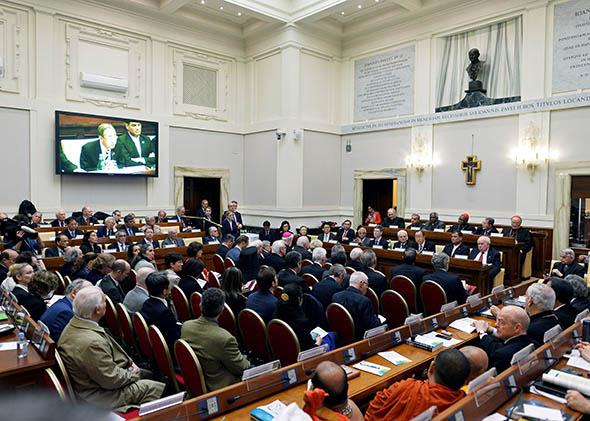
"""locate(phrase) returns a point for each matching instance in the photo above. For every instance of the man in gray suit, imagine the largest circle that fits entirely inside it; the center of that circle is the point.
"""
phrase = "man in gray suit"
(136, 297)
(173, 239)
(102, 373)
(216, 349)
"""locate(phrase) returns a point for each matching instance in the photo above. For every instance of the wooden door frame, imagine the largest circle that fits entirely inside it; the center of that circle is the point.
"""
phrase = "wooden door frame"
(221, 173)
(384, 173)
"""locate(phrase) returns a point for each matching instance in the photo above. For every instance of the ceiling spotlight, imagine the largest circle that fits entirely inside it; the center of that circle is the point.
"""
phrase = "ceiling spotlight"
(202, 1)
(239, 13)
(342, 13)
(220, 7)
(360, 6)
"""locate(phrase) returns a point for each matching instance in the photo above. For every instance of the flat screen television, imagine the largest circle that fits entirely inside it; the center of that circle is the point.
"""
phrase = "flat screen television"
(102, 145)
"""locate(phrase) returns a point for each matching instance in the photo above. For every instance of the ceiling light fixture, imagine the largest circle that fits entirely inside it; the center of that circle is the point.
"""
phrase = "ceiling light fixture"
(342, 13)
(360, 6)
(202, 1)
(239, 13)
(220, 7)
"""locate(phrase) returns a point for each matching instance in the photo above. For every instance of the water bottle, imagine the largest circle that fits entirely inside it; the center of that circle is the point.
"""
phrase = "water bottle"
(22, 346)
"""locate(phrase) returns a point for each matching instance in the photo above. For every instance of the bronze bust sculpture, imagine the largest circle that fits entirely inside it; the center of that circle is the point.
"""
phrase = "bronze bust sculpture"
(475, 66)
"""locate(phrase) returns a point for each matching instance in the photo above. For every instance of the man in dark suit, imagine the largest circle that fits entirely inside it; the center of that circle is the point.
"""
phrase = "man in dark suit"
(355, 258)
(102, 153)
(302, 247)
(108, 229)
(229, 225)
(377, 281)
(213, 237)
(448, 281)
(121, 241)
(233, 206)
(345, 234)
(415, 222)
(567, 265)
(129, 225)
(137, 149)
(564, 310)
(111, 284)
(86, 218)
(7, 259)
(290, 273)
(266, 233)
(226, 245)
(360, 308)
(487, 255)
(422, 244)
(378, 241)
(434, 223)
(60, 219)
(487, 227)
(408, 268)
(580, 301)
(149, 238)
(326, 235)
(508, 338)
(317, 267)
(392, 220)
(72, 230)
(456, 246)
(276, 259)
(403, 242)
(203, 209)
(61, 244)
(156, 309)
(462, 224)
(180, 218)
(540, 300)
(330, 285)
(521, 234)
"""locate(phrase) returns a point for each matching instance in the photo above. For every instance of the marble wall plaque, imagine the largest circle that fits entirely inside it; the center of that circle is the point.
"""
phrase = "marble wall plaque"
(571, 46)
(384, 85)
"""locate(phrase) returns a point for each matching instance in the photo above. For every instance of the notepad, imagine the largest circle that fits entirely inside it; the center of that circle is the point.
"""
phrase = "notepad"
(372, 368)
(394, 358)
(8, 346)
(3, 316)
(579, 362)
(464, 325)
(542, 412)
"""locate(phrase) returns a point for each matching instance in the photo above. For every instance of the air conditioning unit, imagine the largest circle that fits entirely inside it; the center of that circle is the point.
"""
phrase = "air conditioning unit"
(105, 83)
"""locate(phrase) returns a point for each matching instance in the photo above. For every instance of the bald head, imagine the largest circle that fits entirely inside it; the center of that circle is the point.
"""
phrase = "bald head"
(478, 361)
(331, 378)
(512, 321)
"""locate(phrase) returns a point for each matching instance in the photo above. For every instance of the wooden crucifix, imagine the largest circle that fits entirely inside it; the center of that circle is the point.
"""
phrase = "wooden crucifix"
(470, 165)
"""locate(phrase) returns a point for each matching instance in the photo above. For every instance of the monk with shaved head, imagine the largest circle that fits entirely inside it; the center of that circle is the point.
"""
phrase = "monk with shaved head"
(478, 361)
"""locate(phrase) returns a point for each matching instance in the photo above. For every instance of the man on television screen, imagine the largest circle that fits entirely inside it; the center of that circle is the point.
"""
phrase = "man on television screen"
(138, 149)
(101, 154)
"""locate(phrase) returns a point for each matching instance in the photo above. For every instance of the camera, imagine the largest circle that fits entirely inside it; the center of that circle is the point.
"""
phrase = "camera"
(280, 134)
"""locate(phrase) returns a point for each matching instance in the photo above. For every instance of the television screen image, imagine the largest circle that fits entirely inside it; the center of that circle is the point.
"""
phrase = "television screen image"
(91, 144)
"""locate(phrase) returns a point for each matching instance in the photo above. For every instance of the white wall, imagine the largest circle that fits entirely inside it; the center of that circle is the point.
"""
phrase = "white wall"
(15, 158)
(260, 169)
(321, 170)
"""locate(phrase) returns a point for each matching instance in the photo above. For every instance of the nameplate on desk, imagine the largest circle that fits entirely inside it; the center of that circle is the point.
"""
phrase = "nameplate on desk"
(110, 251)
(426, 415)
(168, 401)
(169, 246)
(552, 333)
(415, 228)
(439, 230)
(498, 289)
(399, 249)
(261, 369)
(461, 257)
(333, 242)
(582, 315)
(485, 393)
(353, 244)
(445, 308)
(496, 234)
(79, 237)
(196, 230)
(372, 225)
(313, 352)
(392, 226)
(44, 225)
(140, 233)
(375, 331)
(481, 379)
(377, 247)
(522, 354)
(112, 237)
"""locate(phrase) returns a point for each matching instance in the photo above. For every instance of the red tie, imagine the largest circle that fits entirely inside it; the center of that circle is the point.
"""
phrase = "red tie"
(480, 257)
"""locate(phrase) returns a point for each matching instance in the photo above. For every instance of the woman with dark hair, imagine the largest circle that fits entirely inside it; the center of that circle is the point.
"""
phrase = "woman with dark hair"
(303, 232)
(41, 288)
(90, 243)
(190, 281)
(285, 227)
(82, 266)
(289, 311)
(133, 251)
(231, 285)
(373, 217)
(145, 258)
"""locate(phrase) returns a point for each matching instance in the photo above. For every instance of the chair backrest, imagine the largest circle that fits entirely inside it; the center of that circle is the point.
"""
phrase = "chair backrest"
(341, 322)
(65, 376)
(190, 368)
(111, 318)
(309, 279)
(254, 333)
(67, 280)
(180, 304)
(527, 265)
(433, 296)
(228, 263)
(306, 262)
(196, 304)
(284, 344)
(126, 325)
(407, 289)
(227, 320)
(278, 291)
(372, 296)
(350, 270)
(51, 382)
(395, 308)
(327, 265)
(143, 337)
(132, 278)
(218, 263)
(61, 285)
(213, 281)
(162, 356)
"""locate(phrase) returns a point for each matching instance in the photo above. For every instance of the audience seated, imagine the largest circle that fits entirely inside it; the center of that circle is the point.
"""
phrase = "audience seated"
(276, 259)
(234, 253)
(70, 256)
(229, 225)
(231, 285)
(449, 282)
(173, 239)
(191, 272)
(487, 227)
(156, 309)
(377, 281)
(101, 372)
(478, 362)
(456, 246)
(329, 285)
(41, 288)
(266, 233)
(422, 244)
(361, 238)
(434, 223)
(213, 237)
(180, 218)
(174, 263)
(408, 268)
(317, 268)
(86, 218)
(539, 306)
(345, 234)
(150, 222)
(373, 216)
(149, 238)
(250, 260)
(18, 280)
(462, 224)
(90, 243)
(378, 241)
(83, 266)
(7, 258)
(564, 294)
(392, 220)
(139, 294)
(355, 256)
(580, 301)
(487, 255)
(302, 247)
(121, 242)
(109, 228)
(60, 219)
(59, 314)
(567, 265)
(62, 242)
(263, 301)
(408, 398)
(326, 235)
(522, 235)
(145, 258)
(72, 230)
(101, 267)
(509, 336)
(111, 283)
(403, 242)
(226, 245)
(360, 307)
(415, 223)
(217, 350)
(290, 273)
(129, 225)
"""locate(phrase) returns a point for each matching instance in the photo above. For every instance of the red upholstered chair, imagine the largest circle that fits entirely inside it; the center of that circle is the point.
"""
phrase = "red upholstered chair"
(64, 377)
(395, 308)
(309, 279)
(180, 304)
(111, 318)
(196, 304)
(254, 333)
(284, 344)
(143, 337)
(278, 291)
(372, 295)
(306, 262)
(327, 265)
(190, 368)
(227, 320)
(163, 358)
(132, 278)
(341, 322)
(213, 281)
(125, 325)
(61, 283)
(67, 280)
(228, 263)
(350, 270)
(218, 263)
(406, 289)
(433, 296)
(52, 384)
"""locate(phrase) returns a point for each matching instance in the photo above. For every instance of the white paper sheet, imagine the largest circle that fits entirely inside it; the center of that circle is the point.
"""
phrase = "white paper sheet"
(464, 325)
(542, 413)
(394, 358)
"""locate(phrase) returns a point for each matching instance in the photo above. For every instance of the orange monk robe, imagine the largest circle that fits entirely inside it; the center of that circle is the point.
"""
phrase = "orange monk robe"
(406, 399)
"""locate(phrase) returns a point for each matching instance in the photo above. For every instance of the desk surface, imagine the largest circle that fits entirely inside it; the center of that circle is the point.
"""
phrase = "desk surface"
(10, 364)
